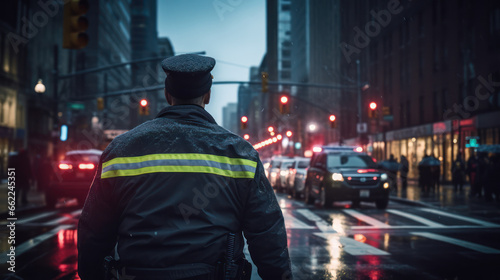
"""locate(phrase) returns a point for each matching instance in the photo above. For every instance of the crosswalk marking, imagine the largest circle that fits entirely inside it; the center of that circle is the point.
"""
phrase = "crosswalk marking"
(293, 223)
(416, 218)
(367, 219)
(63, 219)
(458, 242)
(320, 223)
(459, 217)
(27, 245)
(350, 245)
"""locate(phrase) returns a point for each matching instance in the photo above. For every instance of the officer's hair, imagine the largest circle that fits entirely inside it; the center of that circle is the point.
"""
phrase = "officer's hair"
(196, 101)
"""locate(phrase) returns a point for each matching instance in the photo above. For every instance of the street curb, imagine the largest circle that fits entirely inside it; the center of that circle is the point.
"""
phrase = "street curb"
(411, 202)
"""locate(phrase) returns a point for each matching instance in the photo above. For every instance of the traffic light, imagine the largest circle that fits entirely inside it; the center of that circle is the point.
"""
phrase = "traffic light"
(75, 24)
(143, 107)
(244, 121)
(265, 81)
(372, 113)
(289, 134)
(100, 103)
(332, 121)
(246, 136)
(284, 105)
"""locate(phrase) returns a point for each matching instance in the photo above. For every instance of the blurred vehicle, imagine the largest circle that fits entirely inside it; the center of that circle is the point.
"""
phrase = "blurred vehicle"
(342, 149)
(297, 176)
(274, 168)
(284, 170)
(73, 176)
(266, 163)
(339, 176)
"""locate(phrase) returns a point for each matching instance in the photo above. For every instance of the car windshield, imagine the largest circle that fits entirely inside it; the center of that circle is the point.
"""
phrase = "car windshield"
(303, 164)
(82, 158)
(350, 161)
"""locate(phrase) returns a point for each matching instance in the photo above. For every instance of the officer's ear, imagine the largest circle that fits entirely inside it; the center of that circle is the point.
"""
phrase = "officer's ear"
(206, 97)
(168, 96)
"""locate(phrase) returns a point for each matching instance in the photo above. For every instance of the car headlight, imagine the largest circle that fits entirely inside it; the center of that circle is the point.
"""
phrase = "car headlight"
(337, 177)
(383, 177)
(386, 185)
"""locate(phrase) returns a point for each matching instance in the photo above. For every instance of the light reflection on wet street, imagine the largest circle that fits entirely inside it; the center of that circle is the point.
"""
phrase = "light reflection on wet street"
(401, 242)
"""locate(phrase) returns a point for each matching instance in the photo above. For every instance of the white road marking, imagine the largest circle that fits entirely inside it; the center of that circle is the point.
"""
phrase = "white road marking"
(423, 227)
(458, 242)
(351, 246)
(416, 218)
(320, 223)
(36, 217)
(459, 217)
(367, 219)
(63, 219)
(27, 245)
(293, 223)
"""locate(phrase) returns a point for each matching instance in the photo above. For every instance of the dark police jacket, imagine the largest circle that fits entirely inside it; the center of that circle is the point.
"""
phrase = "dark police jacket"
(168, 192)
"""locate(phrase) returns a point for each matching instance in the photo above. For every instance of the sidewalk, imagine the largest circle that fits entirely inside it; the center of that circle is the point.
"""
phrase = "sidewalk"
(445, 196)
(36, 199)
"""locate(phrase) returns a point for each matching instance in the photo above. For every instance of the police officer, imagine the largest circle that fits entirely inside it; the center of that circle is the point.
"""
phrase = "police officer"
(168, 193)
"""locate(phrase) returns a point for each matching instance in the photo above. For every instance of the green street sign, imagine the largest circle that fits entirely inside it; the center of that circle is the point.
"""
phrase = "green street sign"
(76, 106)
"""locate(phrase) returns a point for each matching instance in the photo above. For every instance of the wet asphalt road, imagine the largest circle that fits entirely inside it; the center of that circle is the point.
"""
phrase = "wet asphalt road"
(401, 242)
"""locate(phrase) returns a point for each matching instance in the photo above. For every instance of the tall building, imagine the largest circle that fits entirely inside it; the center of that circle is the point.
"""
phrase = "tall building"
(165, 49)
(13, 100)
(300, 38)
(144, 42)
(432, 68)
(230, 119)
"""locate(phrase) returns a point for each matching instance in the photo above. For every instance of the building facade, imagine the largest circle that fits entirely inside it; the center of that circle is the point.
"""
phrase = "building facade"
(431, 67)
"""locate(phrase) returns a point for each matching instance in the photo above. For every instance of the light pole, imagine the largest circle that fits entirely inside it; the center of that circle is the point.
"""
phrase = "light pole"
(358, 87)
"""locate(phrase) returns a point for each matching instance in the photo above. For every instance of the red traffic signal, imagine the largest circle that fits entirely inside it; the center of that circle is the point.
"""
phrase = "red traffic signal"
(144, 108)
(284, 109)
(332, 119)
(244, 121)
(289, 134)
(372, 113)
(246, 136)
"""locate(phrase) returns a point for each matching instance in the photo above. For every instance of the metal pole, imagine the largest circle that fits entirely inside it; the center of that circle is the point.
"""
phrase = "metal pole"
(55, 126)
(359, 91)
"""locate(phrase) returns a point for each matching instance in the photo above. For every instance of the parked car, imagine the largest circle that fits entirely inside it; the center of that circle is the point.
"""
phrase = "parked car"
(343, 175)
(297, 176)
(73, 176)
(274, 168)
(284, 170)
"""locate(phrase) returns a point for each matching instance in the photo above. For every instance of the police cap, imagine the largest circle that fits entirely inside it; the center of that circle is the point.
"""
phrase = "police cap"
(188, 75)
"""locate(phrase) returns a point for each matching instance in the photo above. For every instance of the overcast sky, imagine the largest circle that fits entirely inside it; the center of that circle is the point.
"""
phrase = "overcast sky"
(231, 31)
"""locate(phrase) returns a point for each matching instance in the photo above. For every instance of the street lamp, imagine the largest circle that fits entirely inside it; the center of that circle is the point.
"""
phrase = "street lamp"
(40, 87)
(312, 127)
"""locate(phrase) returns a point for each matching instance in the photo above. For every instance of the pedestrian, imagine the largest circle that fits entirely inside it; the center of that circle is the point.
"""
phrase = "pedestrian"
(472, 170)
(391, 166)
(480, 178)
(21, 163)
(403, 173)
(458, 173)
(172, 197)
(425, 174)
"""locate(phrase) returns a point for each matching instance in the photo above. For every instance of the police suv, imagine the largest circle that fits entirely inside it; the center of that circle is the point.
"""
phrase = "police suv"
(341, 173)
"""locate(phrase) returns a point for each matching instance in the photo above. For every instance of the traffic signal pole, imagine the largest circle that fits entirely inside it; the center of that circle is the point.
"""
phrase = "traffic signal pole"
(55, 112)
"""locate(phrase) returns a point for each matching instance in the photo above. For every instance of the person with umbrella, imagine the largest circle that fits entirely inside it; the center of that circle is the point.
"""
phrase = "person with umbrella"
(458, 173)
(426, 175)
(391, 166)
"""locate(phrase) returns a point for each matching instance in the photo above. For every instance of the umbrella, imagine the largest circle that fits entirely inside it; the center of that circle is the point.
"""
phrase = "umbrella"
(489, 149)
(430, 161)
(390, 165)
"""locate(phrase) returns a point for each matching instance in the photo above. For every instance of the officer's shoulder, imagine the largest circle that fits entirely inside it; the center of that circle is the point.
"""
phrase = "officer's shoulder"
(240, 145)
(123, 141)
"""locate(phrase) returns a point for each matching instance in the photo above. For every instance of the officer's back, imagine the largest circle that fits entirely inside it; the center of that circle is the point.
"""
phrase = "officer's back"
(170, 191)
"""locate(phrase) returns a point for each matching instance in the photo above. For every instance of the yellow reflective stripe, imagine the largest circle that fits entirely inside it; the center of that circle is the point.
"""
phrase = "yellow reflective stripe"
(221, 159)
(178, 169)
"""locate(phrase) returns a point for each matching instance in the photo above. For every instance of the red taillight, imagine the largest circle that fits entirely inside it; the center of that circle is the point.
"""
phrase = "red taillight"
(367, 170)
(65, 166)
(86, 166)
